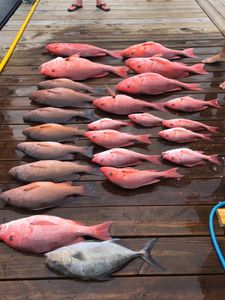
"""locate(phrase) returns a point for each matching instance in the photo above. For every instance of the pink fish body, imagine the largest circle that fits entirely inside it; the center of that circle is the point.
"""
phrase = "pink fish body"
(145, 119)
(188, 124)
(84, 50)
(190, 104)
(111, 138)
(124, 105)
(77, 68)
(130, 178)
(153, 84)
(182, 135)
(107, 123)
(43, 233)
(119, 157)
(149, 49)
(188, 157)
(164, 67)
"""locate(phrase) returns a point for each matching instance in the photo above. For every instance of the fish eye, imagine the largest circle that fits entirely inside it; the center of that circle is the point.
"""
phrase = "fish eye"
(128, 86)
(133, 52)
(53, 70)
(139, 66)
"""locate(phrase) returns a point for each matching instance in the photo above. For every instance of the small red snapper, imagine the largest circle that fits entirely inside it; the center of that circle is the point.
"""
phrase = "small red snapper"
(43, 233)
(150, 48)
(130, 178)
(164, 67)
(189, 158)
(153, 84)
(190, 104)
(111, 138)
(182, 135)
(107, 123)
(119, 157)
(145, 119)
(77, 68)
(188, 124)
(124, 105)
(84, 50)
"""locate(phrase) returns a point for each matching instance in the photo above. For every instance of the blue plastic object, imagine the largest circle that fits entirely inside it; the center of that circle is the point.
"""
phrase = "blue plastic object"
(212, 233)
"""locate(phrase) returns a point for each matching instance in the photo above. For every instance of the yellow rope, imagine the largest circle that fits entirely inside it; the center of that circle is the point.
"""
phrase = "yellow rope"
(18, 36)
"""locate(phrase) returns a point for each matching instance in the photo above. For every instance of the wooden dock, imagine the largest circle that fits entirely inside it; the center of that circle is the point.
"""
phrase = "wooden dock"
(176, 211)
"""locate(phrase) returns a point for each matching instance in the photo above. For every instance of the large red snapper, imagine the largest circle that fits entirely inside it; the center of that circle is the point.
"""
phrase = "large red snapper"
(43, 233)
(189, 158)
(153, 84)
(77, 68)
(119, 157)
(182, 135)
(124, 105)
(84, 50)
(164, 67)
(130, 178)
(149, 49)
(107, 123)
(145, 119)
(111, 138)
(190, 104)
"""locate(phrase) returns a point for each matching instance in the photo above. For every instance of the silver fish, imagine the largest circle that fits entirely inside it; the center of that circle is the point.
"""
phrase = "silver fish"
(61, 97)
(52, 132)
(65, 83)
(53, 150)
(41, 195)
(95, 260)
(57, 115)
(51, 170)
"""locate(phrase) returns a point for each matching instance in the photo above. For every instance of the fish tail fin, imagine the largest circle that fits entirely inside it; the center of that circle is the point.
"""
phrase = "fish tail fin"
(155, 159)
(207, 137)
(88, 151)
(121, 71)
(172, 173)
(129, 123)
(199, 69)
(90, 115)
(101, 231)
(145, 253)
(99, 91)
(214, 103)
(144, 138)
(193, 86)
(189, 52)
(115, 53)
(212, 129)
(159, 106)
(214, 159)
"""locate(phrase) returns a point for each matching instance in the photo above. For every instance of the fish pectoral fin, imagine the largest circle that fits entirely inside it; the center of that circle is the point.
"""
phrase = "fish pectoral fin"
(102, 75)
(39, 167)
(44, 145)
(30, 188)
(42, 223)
(78, 255)
(103, 277)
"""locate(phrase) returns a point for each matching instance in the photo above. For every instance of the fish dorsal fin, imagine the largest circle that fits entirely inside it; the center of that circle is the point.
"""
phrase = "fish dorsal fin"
(31, 187)
(42, 223)
(78, 255)
(148, 43)
(45, 126)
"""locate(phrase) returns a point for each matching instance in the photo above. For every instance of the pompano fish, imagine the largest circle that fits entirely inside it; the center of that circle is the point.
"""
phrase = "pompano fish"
(57, 115)
(130, 178)
(53, 150)
(188, 124)
(150, 48)
(145, 119)
(182, 135)
(110, 138)
(61, 97)
(189, 158)
(107, 123)
(65, 83)
(124, 105)
(96, 260)
(189, 104)
(51, 170)
(77, 68)
(119, 157)
(52, 132)
(41, 195)
(43, 233)
(153, 84)
(164, 67)
(84, 50)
